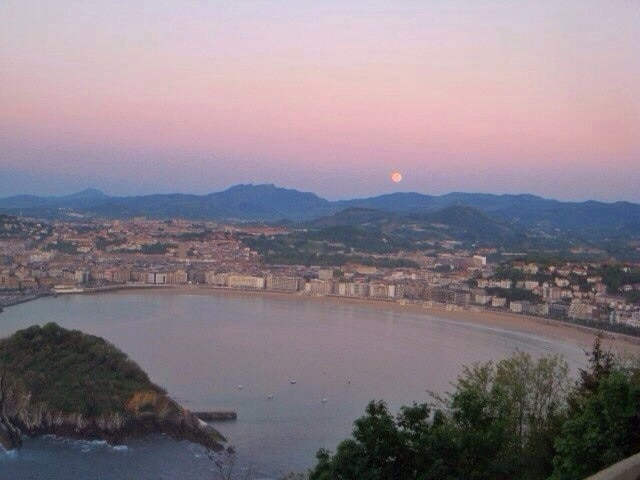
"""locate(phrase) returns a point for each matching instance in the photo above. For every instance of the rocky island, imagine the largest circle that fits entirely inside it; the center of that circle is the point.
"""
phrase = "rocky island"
(67, 383)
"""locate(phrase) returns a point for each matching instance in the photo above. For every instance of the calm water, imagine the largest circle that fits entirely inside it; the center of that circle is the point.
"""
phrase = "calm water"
(201, 347)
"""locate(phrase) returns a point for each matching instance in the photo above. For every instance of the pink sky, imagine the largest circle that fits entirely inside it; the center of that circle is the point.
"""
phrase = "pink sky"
(497, 96)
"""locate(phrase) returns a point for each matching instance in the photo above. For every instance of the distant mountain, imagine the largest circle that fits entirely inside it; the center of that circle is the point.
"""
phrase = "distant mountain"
(241, 202)
(271, 203)
(78, 199)
(92, 193)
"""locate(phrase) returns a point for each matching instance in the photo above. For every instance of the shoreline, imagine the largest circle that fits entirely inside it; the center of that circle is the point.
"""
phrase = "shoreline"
(580, 335)
(17, 300)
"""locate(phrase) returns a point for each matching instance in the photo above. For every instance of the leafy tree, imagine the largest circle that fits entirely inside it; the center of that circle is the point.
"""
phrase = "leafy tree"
(499, 422)
(605, 431)
(604, 416)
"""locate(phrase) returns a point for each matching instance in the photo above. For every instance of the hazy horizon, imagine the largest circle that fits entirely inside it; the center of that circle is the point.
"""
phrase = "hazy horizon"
(331, 97)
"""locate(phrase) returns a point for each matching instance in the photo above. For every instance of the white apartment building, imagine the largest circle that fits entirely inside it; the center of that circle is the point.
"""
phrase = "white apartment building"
(245, 281)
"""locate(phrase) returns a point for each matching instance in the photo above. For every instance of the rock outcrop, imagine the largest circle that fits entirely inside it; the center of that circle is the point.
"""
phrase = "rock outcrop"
(146, 413)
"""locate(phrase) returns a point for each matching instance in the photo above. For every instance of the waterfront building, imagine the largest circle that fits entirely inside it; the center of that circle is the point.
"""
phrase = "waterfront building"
(582, 311)
(325, 274)
(245, 281)
(447, 296)
(353, 289)
(282, 283)
(178, 277)
(382, 290)
(217, 279)
(156, 278)
(81, 276)
(519, 306)
(121, 275)
(498, 302)
(481, 297)
(319, 287)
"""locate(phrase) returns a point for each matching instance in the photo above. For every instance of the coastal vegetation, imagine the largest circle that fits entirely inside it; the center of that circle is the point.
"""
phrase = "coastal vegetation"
(54, 380)
(519, 418)
(71, 371)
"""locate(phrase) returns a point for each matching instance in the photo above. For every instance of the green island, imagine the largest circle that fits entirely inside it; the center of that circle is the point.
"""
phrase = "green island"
(68, 383)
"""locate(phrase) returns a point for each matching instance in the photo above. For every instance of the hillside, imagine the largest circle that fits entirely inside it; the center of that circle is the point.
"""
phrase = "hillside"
(455, 222)
(359, 234)
(69, 383)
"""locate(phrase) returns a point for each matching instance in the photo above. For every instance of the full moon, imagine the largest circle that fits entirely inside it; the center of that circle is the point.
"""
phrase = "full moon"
(396, 177)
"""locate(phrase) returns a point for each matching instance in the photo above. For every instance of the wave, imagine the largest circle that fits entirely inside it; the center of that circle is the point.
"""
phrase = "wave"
(85, 446)
(4, 453)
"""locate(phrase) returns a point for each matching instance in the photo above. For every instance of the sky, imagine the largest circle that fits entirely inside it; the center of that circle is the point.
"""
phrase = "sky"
(193, 96)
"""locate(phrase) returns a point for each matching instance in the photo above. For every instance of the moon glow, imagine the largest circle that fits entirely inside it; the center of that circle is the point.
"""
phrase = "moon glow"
(396, 177)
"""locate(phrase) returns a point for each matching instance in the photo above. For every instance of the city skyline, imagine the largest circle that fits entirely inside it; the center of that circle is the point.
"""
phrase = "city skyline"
(504, 97)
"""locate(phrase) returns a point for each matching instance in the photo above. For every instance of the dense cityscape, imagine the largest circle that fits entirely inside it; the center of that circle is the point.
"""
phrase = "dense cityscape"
(62, 257)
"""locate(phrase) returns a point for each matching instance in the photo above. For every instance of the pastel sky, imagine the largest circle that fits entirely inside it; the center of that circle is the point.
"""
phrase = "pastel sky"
(326, 96)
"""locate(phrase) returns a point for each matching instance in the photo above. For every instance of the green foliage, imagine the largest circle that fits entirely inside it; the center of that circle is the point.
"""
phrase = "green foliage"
(604, 431)
(602, 427)
(156, 248)
(517, 419)
(633, 296)
(515, 294)
(505, 272)
(601, 364)
(299, 249)
(102, 243)
(62, 247)
(614, 277)
(192, 236)
(499, 422)
(71, 371)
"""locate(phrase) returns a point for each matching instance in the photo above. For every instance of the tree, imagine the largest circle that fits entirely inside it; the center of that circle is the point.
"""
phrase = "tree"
(499, 422)
(601, 363)
(604, 416)
(603, 432)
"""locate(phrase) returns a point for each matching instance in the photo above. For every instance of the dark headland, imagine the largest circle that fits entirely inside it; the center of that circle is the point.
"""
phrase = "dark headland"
(68, 383)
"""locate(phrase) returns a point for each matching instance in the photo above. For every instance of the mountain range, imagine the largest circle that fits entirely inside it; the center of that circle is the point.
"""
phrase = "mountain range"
(269, 203)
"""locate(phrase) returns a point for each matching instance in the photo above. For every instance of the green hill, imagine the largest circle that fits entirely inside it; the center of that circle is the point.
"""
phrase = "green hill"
(71, 371)
(68, 383)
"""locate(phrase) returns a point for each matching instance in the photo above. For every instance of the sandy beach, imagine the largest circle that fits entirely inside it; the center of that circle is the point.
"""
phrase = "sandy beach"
(559, 331)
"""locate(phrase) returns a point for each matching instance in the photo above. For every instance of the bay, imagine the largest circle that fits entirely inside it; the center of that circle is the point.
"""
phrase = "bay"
(201, 348)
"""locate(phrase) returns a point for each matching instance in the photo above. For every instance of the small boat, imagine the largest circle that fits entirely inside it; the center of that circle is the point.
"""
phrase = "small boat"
(240, 387)
(293, 382)
(269, 397)
(324, 400)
